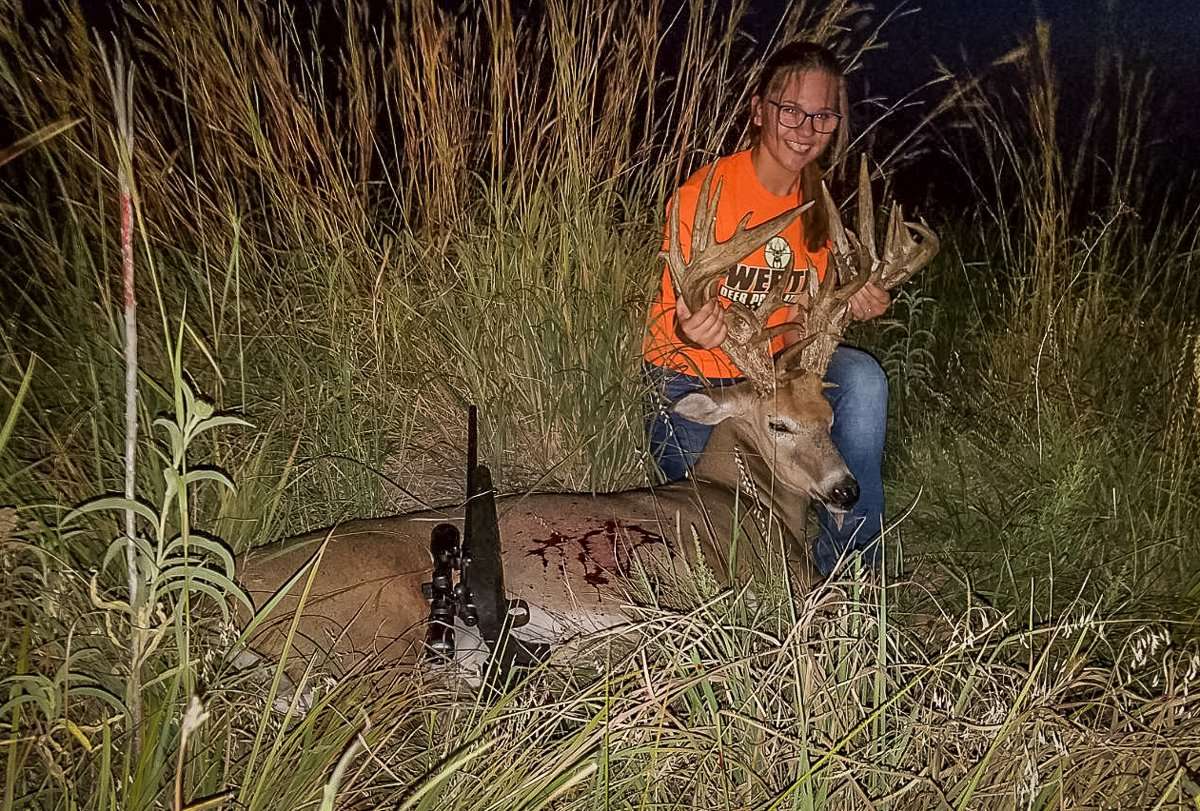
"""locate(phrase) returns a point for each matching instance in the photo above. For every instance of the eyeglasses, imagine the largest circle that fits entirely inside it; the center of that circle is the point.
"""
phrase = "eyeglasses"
(791, 116)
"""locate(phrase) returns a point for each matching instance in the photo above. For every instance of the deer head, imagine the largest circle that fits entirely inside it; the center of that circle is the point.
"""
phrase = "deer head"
(780, 415)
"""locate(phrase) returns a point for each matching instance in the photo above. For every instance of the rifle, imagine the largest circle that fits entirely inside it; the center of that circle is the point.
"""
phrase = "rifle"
(478, 598)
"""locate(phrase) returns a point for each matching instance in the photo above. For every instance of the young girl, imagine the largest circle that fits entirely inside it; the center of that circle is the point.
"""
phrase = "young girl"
(797, 113)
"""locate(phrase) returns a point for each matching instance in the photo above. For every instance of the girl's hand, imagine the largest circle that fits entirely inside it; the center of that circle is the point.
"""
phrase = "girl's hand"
(705, 328)
(871, 301)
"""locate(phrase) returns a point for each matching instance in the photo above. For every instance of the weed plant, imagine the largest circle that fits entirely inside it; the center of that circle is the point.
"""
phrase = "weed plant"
(353, 222)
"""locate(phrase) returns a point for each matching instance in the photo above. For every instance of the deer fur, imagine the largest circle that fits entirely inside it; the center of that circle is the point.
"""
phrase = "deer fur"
(567, 554)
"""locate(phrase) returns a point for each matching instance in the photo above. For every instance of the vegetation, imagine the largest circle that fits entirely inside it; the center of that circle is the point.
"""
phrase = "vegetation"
(349, 224)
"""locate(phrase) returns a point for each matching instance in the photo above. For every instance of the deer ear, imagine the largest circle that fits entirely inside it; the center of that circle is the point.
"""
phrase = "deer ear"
(707, 407)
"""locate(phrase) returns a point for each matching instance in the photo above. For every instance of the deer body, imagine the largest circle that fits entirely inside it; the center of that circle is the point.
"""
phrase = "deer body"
(567, 554)
(564, 554)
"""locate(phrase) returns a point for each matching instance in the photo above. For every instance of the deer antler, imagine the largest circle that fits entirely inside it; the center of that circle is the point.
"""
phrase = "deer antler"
(854, 262)
(747, 339)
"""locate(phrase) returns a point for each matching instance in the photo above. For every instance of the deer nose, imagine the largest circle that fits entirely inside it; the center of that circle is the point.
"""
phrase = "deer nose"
(845, 493)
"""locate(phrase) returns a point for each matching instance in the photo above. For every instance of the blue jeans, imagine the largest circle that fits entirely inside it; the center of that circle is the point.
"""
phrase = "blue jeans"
(859, 402)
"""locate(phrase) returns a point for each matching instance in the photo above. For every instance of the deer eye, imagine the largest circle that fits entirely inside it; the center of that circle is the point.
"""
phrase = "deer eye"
(780, 427)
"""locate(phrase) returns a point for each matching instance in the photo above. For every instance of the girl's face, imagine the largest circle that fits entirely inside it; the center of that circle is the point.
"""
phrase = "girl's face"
(786, 146)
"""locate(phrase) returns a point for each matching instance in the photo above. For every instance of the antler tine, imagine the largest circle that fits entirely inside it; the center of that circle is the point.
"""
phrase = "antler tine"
(688, 283)
(895, 243)
(866, 220)
(927, 249)
(837, 231)
(705, 219)
(786, 371)
(851, 266)
(902, 255)
(674, 253)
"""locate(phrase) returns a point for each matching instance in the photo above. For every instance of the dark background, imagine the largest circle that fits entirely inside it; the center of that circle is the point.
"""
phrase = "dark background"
(1162, 36)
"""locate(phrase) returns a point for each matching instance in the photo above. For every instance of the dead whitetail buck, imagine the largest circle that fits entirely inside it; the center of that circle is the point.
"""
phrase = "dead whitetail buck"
(562, 554)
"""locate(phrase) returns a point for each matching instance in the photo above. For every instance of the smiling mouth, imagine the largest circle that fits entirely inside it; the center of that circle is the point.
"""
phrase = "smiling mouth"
(799, 148)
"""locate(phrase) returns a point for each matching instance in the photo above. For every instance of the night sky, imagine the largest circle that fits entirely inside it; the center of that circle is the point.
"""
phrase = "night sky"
(1167, 31)
(1162, 33)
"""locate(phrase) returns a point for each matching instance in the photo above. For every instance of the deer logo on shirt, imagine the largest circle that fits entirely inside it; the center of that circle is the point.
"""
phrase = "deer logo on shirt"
(748, 284)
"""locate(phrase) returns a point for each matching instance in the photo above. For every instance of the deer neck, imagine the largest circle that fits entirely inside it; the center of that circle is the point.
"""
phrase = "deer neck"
(719, 465)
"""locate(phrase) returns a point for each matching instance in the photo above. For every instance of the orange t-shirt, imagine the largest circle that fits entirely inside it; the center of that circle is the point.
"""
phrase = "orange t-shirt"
(783, 260)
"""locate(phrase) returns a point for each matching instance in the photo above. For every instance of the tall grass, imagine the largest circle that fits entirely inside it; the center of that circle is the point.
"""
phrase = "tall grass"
(1061, 458)
(487, 184)
(353, 221)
